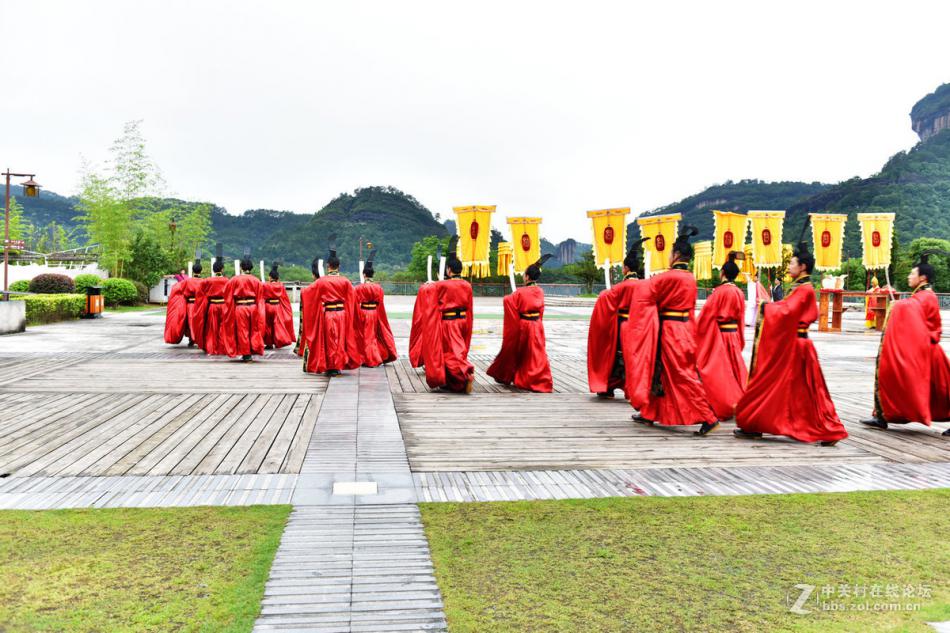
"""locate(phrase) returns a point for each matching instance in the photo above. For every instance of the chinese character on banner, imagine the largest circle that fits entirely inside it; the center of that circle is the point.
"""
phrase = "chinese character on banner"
(876, 235)
(610, 235)
(729, 235)
(662, 230)
(767, 237)
(474, 230)
(525, 242)
(828, 233)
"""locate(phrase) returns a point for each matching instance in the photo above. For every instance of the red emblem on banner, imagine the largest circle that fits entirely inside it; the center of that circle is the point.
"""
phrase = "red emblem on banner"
(766, 237)
(659, 242)
(525, 242)
(473, 230)
(825, 239)
(727, 239)
(875, 239)
(609, 235)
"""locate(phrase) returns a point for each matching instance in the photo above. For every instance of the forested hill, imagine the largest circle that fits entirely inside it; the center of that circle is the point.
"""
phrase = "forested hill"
(914, 184)
(385, 216)
(741, 197)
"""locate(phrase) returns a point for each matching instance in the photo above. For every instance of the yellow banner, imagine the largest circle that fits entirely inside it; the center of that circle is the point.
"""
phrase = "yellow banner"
(504, 258)
(729, 235)
(877, 230)
(525, 241)
(610, 235)
(474, 229)
(702, 260)
(661, 229)
(828, 233)
(767, 237)
(748, 266)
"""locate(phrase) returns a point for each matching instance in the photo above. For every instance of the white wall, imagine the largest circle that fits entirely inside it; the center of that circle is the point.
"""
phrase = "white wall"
(20, 272)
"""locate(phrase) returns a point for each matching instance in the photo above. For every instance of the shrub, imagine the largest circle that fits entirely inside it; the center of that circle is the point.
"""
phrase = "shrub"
(142, 291)
(117, 291)
(49, 308)
(23, 285)
(52, 283)
(84, 281)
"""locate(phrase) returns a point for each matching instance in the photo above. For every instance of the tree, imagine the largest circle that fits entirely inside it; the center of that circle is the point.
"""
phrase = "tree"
(940, 263)
(134, 175)
(20, 228)
(586, 270)
(148, 261)
(107, 220)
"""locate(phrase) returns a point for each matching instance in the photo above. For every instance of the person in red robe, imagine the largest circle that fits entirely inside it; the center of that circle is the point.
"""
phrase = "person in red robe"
(278, 313)
(244, 322)
(420, 308)
(376, 342)
(605, 361)
(315, 267)
(720, 339)
(523, 359)
(180, 311)
(447, 330)
(786, 393)
(329, 310)
(676, 396)
(913, 373)
(210, 310)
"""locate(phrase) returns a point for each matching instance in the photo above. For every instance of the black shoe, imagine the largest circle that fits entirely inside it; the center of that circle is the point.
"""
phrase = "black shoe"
(333, 372)
(877, 423)
(946, 433)
(191, 343)
(639, 419)
(707, 427)
(746, 435)
(829, 442)
(246, 358)
(605, 395)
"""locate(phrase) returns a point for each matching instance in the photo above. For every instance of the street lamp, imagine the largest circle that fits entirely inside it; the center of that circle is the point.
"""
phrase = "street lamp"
(31, 189)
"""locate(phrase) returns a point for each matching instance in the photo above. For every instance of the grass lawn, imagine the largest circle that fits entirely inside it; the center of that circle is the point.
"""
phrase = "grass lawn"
(178, 569)
(693, 564)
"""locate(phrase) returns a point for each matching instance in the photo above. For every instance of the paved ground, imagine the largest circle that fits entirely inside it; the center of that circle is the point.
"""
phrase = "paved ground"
(103, 414)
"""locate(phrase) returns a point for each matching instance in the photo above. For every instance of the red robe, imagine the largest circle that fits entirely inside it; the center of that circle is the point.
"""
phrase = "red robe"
(677, 396)
(638, 336)
(719, 342)
(302, 322)
(419, 311)
(604, 372)
(786, 393)
(376, 343)
(447, 335)
(179, 315)
(211, 315)
(523, 359)
(244, 323)
(329, 309)
(278, 316)
(913, 373)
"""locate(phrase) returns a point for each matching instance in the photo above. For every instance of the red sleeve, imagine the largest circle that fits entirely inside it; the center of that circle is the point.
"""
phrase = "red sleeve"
(200, 313)
(602, 340)
(352, 326)
(469, 318)
(175, 315)
(432, 354)
(386, 334)
(504, 366)
(286, 314)
(230, 346)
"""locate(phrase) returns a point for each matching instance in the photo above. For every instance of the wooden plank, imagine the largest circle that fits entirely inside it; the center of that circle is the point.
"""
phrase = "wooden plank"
(298, 447)
(279, 448)
(259, 449)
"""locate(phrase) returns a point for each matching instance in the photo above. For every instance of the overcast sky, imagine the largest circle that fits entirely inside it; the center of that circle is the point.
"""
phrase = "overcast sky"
(538, 107)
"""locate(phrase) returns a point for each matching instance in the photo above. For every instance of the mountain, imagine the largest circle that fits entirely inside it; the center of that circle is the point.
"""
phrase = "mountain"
(47, 207)
(931, 114)
(741, 196)
(392, 220)
(253, 229)
(915, 185)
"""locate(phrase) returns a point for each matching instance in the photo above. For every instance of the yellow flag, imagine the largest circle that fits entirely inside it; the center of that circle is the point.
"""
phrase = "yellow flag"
(729, 235)
(526, 241)
(877, 230)
(702, 260)
(474, 229)
(748, 265)
(610, 235)
(661, 229)
(504, 258)
(828, 233)
(767, 237)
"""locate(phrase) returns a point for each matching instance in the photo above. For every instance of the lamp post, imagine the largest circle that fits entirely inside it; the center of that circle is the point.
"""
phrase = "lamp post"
(31, 189)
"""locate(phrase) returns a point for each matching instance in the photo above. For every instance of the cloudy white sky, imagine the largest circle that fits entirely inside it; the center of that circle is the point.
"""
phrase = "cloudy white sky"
(538, 107)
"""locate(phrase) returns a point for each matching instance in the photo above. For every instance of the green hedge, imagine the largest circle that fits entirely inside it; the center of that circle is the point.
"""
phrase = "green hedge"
(50, 283)
(22, 285)
(50, 308)
(86, 280)
(117, 291)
